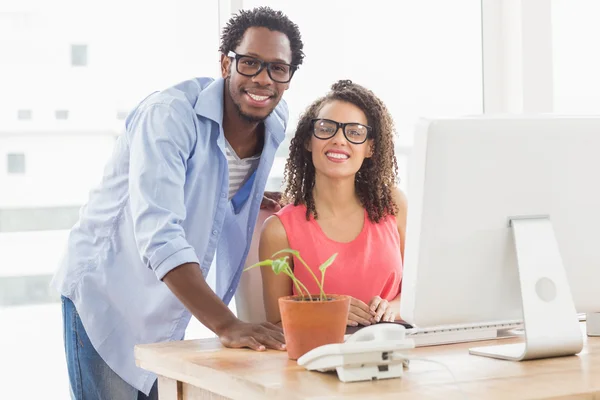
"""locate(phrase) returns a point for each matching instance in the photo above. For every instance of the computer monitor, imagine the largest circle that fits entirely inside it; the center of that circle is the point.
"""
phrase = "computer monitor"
(503, 224)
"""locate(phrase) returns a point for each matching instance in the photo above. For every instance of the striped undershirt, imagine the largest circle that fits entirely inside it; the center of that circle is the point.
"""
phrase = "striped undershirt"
(239, 169)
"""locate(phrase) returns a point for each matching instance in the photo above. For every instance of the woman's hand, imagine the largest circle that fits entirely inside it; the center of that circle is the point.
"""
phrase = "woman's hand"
(381, 309)
(360, 313)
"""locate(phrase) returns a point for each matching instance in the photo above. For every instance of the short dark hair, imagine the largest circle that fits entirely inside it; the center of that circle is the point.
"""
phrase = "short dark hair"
(261, 17)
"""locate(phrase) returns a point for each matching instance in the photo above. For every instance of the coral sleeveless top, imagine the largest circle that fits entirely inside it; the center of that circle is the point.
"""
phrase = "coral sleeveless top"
(368, 266)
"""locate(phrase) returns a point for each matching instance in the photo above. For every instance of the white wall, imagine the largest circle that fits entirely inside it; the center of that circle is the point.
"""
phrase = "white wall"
(576, 59)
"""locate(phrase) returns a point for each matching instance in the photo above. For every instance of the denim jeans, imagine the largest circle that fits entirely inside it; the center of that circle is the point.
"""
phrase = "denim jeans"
(89, 376)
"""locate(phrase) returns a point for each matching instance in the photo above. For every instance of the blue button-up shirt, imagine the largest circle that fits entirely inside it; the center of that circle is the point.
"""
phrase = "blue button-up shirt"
(163, 201)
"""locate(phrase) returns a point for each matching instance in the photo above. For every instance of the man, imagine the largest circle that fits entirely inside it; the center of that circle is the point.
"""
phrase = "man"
(184, 182)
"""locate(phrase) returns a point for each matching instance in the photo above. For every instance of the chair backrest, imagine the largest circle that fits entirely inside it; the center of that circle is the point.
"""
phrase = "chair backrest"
(249, 296)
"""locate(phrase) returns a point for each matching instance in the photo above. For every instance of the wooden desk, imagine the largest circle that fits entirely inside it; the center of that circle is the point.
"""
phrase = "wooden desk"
(203, 369)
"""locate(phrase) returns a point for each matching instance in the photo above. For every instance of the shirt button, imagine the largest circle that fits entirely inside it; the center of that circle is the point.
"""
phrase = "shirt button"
(215, 232)
(223, 194)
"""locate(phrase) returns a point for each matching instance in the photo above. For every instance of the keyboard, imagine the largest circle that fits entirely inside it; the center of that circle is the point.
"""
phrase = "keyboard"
(448, 334)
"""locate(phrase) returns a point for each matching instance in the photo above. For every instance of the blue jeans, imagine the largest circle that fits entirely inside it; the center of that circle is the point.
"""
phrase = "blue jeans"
(90, 377)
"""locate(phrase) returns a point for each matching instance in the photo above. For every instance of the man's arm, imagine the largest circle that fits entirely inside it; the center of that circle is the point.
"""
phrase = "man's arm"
(188, 284)
(160, 144)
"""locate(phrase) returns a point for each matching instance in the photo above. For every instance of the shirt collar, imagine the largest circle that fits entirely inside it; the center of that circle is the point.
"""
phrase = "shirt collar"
(210, 101)
(210, 105)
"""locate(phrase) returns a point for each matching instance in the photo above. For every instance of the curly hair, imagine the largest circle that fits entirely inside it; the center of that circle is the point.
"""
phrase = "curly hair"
(376, 177)
(261, 17)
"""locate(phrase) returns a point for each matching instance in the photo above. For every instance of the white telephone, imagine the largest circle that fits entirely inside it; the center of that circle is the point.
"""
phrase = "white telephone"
(374, 352)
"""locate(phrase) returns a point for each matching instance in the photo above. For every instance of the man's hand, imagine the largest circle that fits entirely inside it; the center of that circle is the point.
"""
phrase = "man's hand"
(382, 309)
(271, 201)
(255, 336)
(360, 313)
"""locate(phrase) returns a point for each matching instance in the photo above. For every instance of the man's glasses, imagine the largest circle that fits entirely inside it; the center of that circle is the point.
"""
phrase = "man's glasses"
(353, 132)
(252, 66)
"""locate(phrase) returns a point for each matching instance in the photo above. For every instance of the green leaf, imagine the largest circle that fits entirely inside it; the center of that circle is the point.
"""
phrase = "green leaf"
(280, 265)
(327, 263)
(259, 264)
(289, 251)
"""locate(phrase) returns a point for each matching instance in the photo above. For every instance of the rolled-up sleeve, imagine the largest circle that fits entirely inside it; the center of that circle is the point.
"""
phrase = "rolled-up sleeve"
(161, 139)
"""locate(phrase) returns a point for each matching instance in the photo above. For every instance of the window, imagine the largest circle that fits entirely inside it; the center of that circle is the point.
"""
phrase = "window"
(576, 83)
(122, 115)
(79, 53)
(86, 76)
(24, 115)
(15, 163)
(61, 114)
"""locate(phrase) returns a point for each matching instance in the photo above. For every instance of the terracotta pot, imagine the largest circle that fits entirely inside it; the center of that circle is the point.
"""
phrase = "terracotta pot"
(310, 324)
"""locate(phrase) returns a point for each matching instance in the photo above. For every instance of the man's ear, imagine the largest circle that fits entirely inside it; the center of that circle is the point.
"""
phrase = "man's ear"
(225, 66)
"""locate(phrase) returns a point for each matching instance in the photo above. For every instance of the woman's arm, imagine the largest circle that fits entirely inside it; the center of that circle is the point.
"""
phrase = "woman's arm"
(273, 239)
(402, 203)
(385, 308)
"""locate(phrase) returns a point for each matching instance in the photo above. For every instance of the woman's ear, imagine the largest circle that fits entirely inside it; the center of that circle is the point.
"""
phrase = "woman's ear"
(371, 148)
(307, 145)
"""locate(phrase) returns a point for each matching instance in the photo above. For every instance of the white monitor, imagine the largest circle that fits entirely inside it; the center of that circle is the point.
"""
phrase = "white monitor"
(479, 189)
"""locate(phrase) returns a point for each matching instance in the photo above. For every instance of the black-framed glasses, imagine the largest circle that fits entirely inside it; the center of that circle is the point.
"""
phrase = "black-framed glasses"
(252, 66)
(353, 132)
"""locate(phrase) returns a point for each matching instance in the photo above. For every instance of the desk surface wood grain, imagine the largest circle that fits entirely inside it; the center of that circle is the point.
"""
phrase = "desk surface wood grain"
(246, 374)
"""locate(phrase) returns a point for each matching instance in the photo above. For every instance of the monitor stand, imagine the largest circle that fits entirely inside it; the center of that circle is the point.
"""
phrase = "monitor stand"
(549, 317)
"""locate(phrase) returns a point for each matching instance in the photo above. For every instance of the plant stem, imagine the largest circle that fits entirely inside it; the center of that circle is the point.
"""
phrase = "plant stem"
(297, 282)
(323, 283)
(307, 292)
(314, 276)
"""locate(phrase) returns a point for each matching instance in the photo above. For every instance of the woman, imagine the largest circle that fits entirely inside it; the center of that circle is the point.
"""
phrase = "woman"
(340, 178)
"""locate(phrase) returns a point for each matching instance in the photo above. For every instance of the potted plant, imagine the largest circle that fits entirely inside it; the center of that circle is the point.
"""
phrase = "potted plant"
(309, 320)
